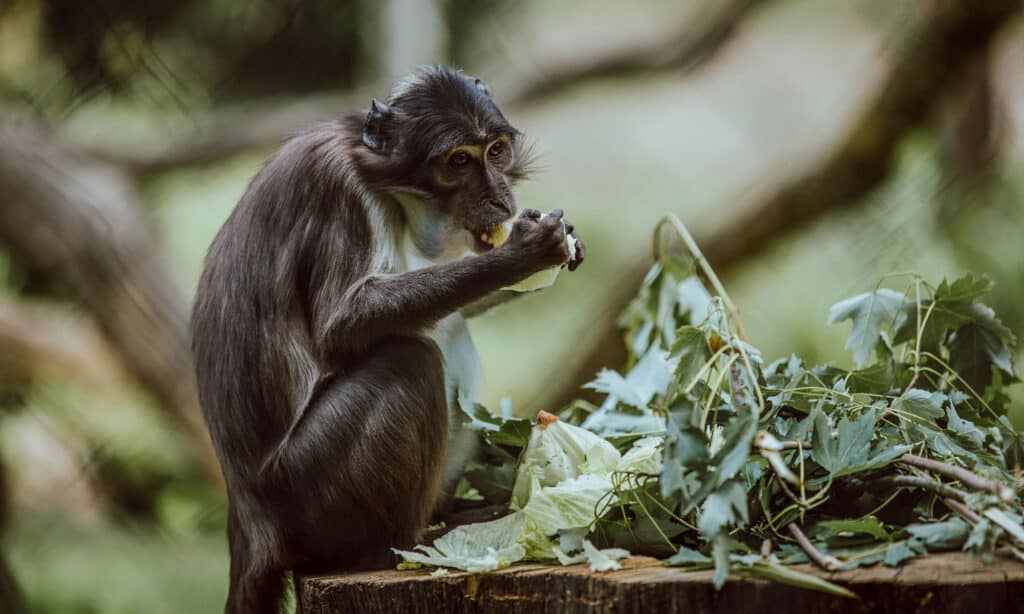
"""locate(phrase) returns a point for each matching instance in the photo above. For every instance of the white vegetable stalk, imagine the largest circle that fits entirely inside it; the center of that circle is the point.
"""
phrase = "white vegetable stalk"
(540, 279)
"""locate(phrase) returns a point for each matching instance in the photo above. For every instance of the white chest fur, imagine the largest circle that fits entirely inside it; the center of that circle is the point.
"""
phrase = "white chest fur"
(463, 376)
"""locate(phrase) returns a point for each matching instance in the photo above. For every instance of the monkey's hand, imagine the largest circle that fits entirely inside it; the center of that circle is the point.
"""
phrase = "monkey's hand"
(538, 242)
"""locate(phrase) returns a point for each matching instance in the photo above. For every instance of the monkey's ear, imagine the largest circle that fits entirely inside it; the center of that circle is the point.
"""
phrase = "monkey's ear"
(375, 129)
(480, 85)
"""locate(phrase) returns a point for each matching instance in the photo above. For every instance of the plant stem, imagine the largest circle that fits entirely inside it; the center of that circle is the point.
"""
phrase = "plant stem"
(913, 481)
(734, 314)
(825, 561)
(965, 477)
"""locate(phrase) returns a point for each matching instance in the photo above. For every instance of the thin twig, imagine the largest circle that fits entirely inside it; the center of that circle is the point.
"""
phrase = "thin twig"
(965, 512)
(825, 561)
(734, 314)
(964, 476)
(913, 481)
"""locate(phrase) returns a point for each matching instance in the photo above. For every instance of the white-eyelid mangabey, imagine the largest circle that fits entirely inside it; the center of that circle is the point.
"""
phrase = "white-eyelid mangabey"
(331, 353)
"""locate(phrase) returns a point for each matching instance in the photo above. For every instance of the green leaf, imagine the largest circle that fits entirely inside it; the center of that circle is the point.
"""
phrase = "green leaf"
(513, 432)
(921, 403)
(727, 506)
(686, 556)
(980, 345)
(947, 535)
(775, 572)
(649, 377)
(493, 482)
(720, 554)
(730, 458)
(871, 313)
(850, 446)
(949, 309)
(876, 379)
(868, 525)
(692, 351)
(850, 450)
(901, 551)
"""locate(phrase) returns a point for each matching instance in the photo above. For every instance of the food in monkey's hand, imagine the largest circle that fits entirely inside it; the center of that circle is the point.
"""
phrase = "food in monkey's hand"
(540, 279)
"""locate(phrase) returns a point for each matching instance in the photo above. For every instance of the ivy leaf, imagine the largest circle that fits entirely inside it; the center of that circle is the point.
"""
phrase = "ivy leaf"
(870, 313)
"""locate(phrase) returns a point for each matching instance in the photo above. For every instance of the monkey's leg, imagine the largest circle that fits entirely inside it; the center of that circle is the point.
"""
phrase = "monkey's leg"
(363, 465)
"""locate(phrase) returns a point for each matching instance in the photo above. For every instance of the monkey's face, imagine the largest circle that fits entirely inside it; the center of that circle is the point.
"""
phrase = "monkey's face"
(475, 187)
(442, 139)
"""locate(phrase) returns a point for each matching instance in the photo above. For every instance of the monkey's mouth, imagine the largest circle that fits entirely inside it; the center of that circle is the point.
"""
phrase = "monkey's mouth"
(489, 239)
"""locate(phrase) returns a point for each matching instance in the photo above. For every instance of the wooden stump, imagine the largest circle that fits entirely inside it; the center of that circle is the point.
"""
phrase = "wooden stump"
(953, 582)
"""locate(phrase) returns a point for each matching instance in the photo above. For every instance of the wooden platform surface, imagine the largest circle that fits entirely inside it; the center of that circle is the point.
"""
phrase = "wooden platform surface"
(953, 582)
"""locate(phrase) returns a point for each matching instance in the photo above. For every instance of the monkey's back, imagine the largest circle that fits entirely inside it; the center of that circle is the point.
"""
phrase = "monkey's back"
(292, 239)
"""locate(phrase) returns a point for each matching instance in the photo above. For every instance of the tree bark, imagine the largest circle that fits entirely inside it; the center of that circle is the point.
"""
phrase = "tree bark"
(953, 582)
(79, 224)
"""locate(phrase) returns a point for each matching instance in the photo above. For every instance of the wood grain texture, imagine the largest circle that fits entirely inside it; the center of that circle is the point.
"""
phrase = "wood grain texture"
(953, 582)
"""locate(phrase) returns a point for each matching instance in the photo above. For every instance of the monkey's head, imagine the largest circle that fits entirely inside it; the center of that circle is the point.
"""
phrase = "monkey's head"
(441, 143)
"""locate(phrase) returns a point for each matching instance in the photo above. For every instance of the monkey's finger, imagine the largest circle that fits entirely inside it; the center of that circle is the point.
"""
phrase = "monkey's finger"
(581, 252)
(532, 214)
(552, 220)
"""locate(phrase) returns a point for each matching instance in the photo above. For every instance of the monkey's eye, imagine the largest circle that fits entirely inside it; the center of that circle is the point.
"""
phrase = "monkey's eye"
(496, 150)
(459, 158)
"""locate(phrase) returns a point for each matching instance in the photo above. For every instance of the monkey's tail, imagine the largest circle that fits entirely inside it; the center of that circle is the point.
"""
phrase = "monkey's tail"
(256, 593)
(257, 586)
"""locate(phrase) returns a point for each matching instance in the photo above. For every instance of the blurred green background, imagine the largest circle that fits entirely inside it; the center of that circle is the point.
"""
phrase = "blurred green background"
(108, 506)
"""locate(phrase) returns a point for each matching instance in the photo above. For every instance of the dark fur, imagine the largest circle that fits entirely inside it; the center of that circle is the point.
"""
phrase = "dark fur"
(322, 392)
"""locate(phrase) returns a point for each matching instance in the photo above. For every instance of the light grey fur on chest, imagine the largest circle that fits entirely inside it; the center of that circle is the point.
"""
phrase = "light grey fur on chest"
(427, 241)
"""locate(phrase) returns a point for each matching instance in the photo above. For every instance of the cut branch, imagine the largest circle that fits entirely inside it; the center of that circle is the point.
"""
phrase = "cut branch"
(964, 476)
(78, 224)
(935, 53)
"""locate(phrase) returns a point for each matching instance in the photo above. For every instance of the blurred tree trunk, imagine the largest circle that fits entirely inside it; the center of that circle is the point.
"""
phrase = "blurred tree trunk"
(970, 131)
(687, 47)
(413, 33)
(77, 223)
(936, 54)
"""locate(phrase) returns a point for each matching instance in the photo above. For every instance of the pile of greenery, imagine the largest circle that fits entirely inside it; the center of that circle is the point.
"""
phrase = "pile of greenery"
(764, 465)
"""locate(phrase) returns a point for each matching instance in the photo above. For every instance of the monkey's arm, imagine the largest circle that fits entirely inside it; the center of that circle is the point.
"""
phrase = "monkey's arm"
(380, 305)
(492, 300)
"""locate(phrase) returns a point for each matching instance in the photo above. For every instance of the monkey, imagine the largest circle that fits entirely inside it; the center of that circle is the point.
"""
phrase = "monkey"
(331, 351)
